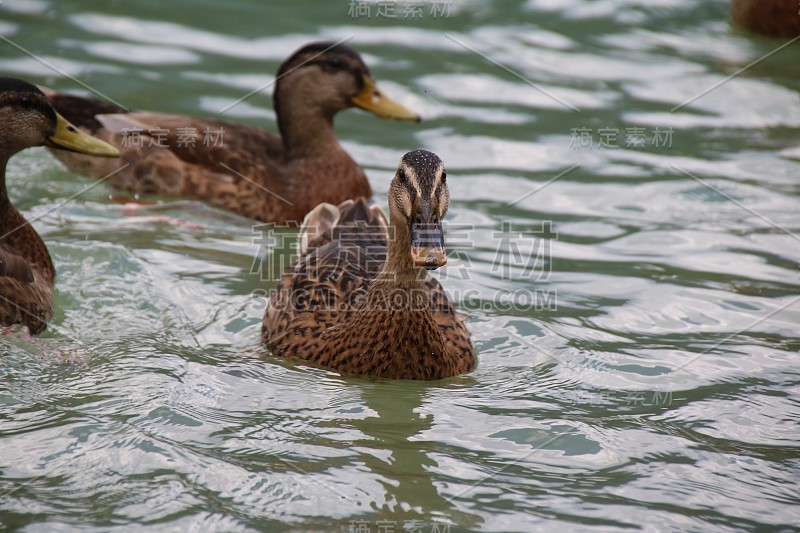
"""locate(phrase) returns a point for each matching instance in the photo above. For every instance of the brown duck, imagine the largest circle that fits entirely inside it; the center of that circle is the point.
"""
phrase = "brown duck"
(246, 169)
(26, 270)
(778, 18)
(359, 299)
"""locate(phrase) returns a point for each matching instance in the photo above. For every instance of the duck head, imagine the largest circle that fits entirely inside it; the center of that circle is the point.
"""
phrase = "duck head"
(332, 77)
(27, 119)
(418, 196)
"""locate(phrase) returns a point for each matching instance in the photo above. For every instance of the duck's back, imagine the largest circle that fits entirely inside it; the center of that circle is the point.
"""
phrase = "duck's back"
(177, 155)
(237, 166)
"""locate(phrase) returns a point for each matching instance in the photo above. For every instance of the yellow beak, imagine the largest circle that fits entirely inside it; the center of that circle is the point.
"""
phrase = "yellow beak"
(68, 137)
(373, 100)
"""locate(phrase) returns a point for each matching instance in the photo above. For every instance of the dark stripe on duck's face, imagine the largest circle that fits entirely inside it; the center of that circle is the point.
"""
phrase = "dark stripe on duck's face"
(321, 53)
(402, 178)
(29, 101)
(325, 47)
(42, 106)
(16, 92)
(335, 65)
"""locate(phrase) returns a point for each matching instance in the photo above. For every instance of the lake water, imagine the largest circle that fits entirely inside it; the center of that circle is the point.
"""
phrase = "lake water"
(624, 235)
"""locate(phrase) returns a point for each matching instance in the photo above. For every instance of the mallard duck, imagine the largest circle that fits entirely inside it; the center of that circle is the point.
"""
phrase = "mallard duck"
(26, 270)
(778, 18)
(358, 298)
(246, 169)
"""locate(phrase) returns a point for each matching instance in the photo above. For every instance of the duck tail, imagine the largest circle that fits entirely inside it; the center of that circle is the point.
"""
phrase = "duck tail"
(317, 223)
(326, 221)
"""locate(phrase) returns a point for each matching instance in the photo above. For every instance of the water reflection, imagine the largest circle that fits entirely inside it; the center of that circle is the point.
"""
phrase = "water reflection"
(394, 448)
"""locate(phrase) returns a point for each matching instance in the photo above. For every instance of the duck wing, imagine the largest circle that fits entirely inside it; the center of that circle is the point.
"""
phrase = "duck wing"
(14, 266)
(231, 165)
(342, 249)
(26, 296)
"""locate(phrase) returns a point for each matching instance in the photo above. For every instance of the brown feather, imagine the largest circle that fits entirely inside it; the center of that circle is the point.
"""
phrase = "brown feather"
(777, 18)
(12, 265)
(26, 274)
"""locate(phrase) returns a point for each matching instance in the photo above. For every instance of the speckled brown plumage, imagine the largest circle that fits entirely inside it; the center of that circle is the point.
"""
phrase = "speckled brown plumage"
(778, 18)
(26, 286)
(250, 170)
(355, 301)
(26, 270)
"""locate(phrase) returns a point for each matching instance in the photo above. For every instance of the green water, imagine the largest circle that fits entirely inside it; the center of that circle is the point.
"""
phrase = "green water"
(628, 260)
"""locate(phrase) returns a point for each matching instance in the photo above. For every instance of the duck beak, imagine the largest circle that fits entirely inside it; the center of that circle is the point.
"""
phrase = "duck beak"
(373, 100)
(427, 242)
(430, 258)
(68, 137)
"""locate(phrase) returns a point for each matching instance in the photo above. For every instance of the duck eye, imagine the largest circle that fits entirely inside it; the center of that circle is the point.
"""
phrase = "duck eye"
(444, 176)
(26, 102)
(335, 63)
(401, 176)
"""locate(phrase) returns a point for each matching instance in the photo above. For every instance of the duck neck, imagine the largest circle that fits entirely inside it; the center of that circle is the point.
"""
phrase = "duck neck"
(307, 131)
(19, 234)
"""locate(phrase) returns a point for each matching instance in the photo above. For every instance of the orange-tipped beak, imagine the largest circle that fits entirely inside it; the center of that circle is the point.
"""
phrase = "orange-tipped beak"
(428, 257)
(427, 240)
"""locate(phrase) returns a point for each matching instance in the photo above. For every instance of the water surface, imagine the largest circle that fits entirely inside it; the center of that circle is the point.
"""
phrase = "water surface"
(623, 235)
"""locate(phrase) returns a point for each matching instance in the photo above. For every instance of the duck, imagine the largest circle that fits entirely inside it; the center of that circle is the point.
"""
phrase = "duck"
(27, 273)
(776, 18)
(359, 298)
(248, 170)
